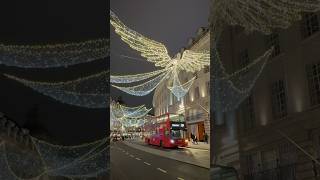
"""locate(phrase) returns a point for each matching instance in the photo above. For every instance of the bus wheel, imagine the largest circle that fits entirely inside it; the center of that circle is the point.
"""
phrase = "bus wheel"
(160, 144)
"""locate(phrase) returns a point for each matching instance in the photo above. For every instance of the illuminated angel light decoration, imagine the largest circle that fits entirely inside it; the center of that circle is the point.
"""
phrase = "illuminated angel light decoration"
(261, 15)
(53, 55)
(28, 158)
(156, 52)
(128, 116)
(88, 92)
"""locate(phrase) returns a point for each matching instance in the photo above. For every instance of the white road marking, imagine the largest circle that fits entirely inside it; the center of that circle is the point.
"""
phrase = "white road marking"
(138, 159)
(132, 156)
(164, 171)
(147, 163)
(180, 178)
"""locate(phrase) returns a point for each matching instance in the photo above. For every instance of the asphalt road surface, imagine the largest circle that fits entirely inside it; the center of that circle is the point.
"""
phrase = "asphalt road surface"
(128, 163)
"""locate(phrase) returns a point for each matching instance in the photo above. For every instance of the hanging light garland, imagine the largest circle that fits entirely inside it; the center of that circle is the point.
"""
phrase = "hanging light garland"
(262, 15)
(231, 89)
(127, 116)
(43, 160)
(155, 52)
(55, 55)
(89, 92)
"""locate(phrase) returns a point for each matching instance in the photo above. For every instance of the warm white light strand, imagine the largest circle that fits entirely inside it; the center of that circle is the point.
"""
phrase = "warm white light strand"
(56, 55)
(88, 92)
(261, 15)
(135, 77)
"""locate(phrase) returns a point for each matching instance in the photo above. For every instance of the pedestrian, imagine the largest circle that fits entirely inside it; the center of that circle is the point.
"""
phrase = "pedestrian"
(192, 137)
(206, 137)
(195, 140)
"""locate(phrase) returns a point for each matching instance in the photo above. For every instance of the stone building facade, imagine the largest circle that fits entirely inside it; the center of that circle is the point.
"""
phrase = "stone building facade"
(282, 115)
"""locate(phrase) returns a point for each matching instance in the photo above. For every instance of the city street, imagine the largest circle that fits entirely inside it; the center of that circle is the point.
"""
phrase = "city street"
(132, 163)
(195, 156)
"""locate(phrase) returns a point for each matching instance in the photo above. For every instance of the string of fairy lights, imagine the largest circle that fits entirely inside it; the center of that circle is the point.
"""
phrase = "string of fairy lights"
(123, 116)
(48, 160)
(88, 92)
(53, 55)
(263, 15)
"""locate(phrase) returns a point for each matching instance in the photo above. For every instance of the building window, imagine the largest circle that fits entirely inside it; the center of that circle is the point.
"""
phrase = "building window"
(186, 100)
(252, 162)
(274, 41)
(313, 73)
(171, 98)
(279, 100)
(248, 115)
(287, 158)
(197, 93)
(310, 24)
(269, 164)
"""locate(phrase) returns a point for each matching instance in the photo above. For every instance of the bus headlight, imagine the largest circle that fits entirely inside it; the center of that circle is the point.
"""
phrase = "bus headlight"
(186, 141)
(171, 141)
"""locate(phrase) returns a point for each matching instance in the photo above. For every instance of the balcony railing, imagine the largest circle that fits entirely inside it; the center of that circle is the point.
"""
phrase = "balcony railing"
(279, 173)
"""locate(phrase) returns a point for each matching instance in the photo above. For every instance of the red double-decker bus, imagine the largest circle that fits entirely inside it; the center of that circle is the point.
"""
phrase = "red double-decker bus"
(168, 130)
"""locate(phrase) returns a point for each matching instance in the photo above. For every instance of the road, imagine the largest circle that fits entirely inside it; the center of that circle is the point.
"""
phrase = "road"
(128, 163)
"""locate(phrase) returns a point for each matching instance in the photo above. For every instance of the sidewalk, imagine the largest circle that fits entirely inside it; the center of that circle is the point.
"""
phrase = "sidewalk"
(200, 145)
(198, 157)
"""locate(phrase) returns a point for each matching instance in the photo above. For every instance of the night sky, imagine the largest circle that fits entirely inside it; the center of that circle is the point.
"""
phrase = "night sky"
(52, 21)
(167, 21)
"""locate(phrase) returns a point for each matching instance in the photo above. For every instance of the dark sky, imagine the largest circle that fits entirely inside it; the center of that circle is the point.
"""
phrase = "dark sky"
(171, 22)
(43, 22)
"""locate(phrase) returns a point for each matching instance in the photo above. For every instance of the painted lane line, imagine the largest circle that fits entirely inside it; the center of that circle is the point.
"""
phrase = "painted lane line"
(132, 156)
(138, 159)
(147, 163)
(180, 178)
(164, 171)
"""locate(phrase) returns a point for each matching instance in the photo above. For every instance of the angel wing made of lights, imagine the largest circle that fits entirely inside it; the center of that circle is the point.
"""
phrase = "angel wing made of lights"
(156, 53)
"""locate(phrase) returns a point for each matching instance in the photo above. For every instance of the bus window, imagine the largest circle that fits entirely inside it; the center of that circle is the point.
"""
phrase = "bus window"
(177, 133)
